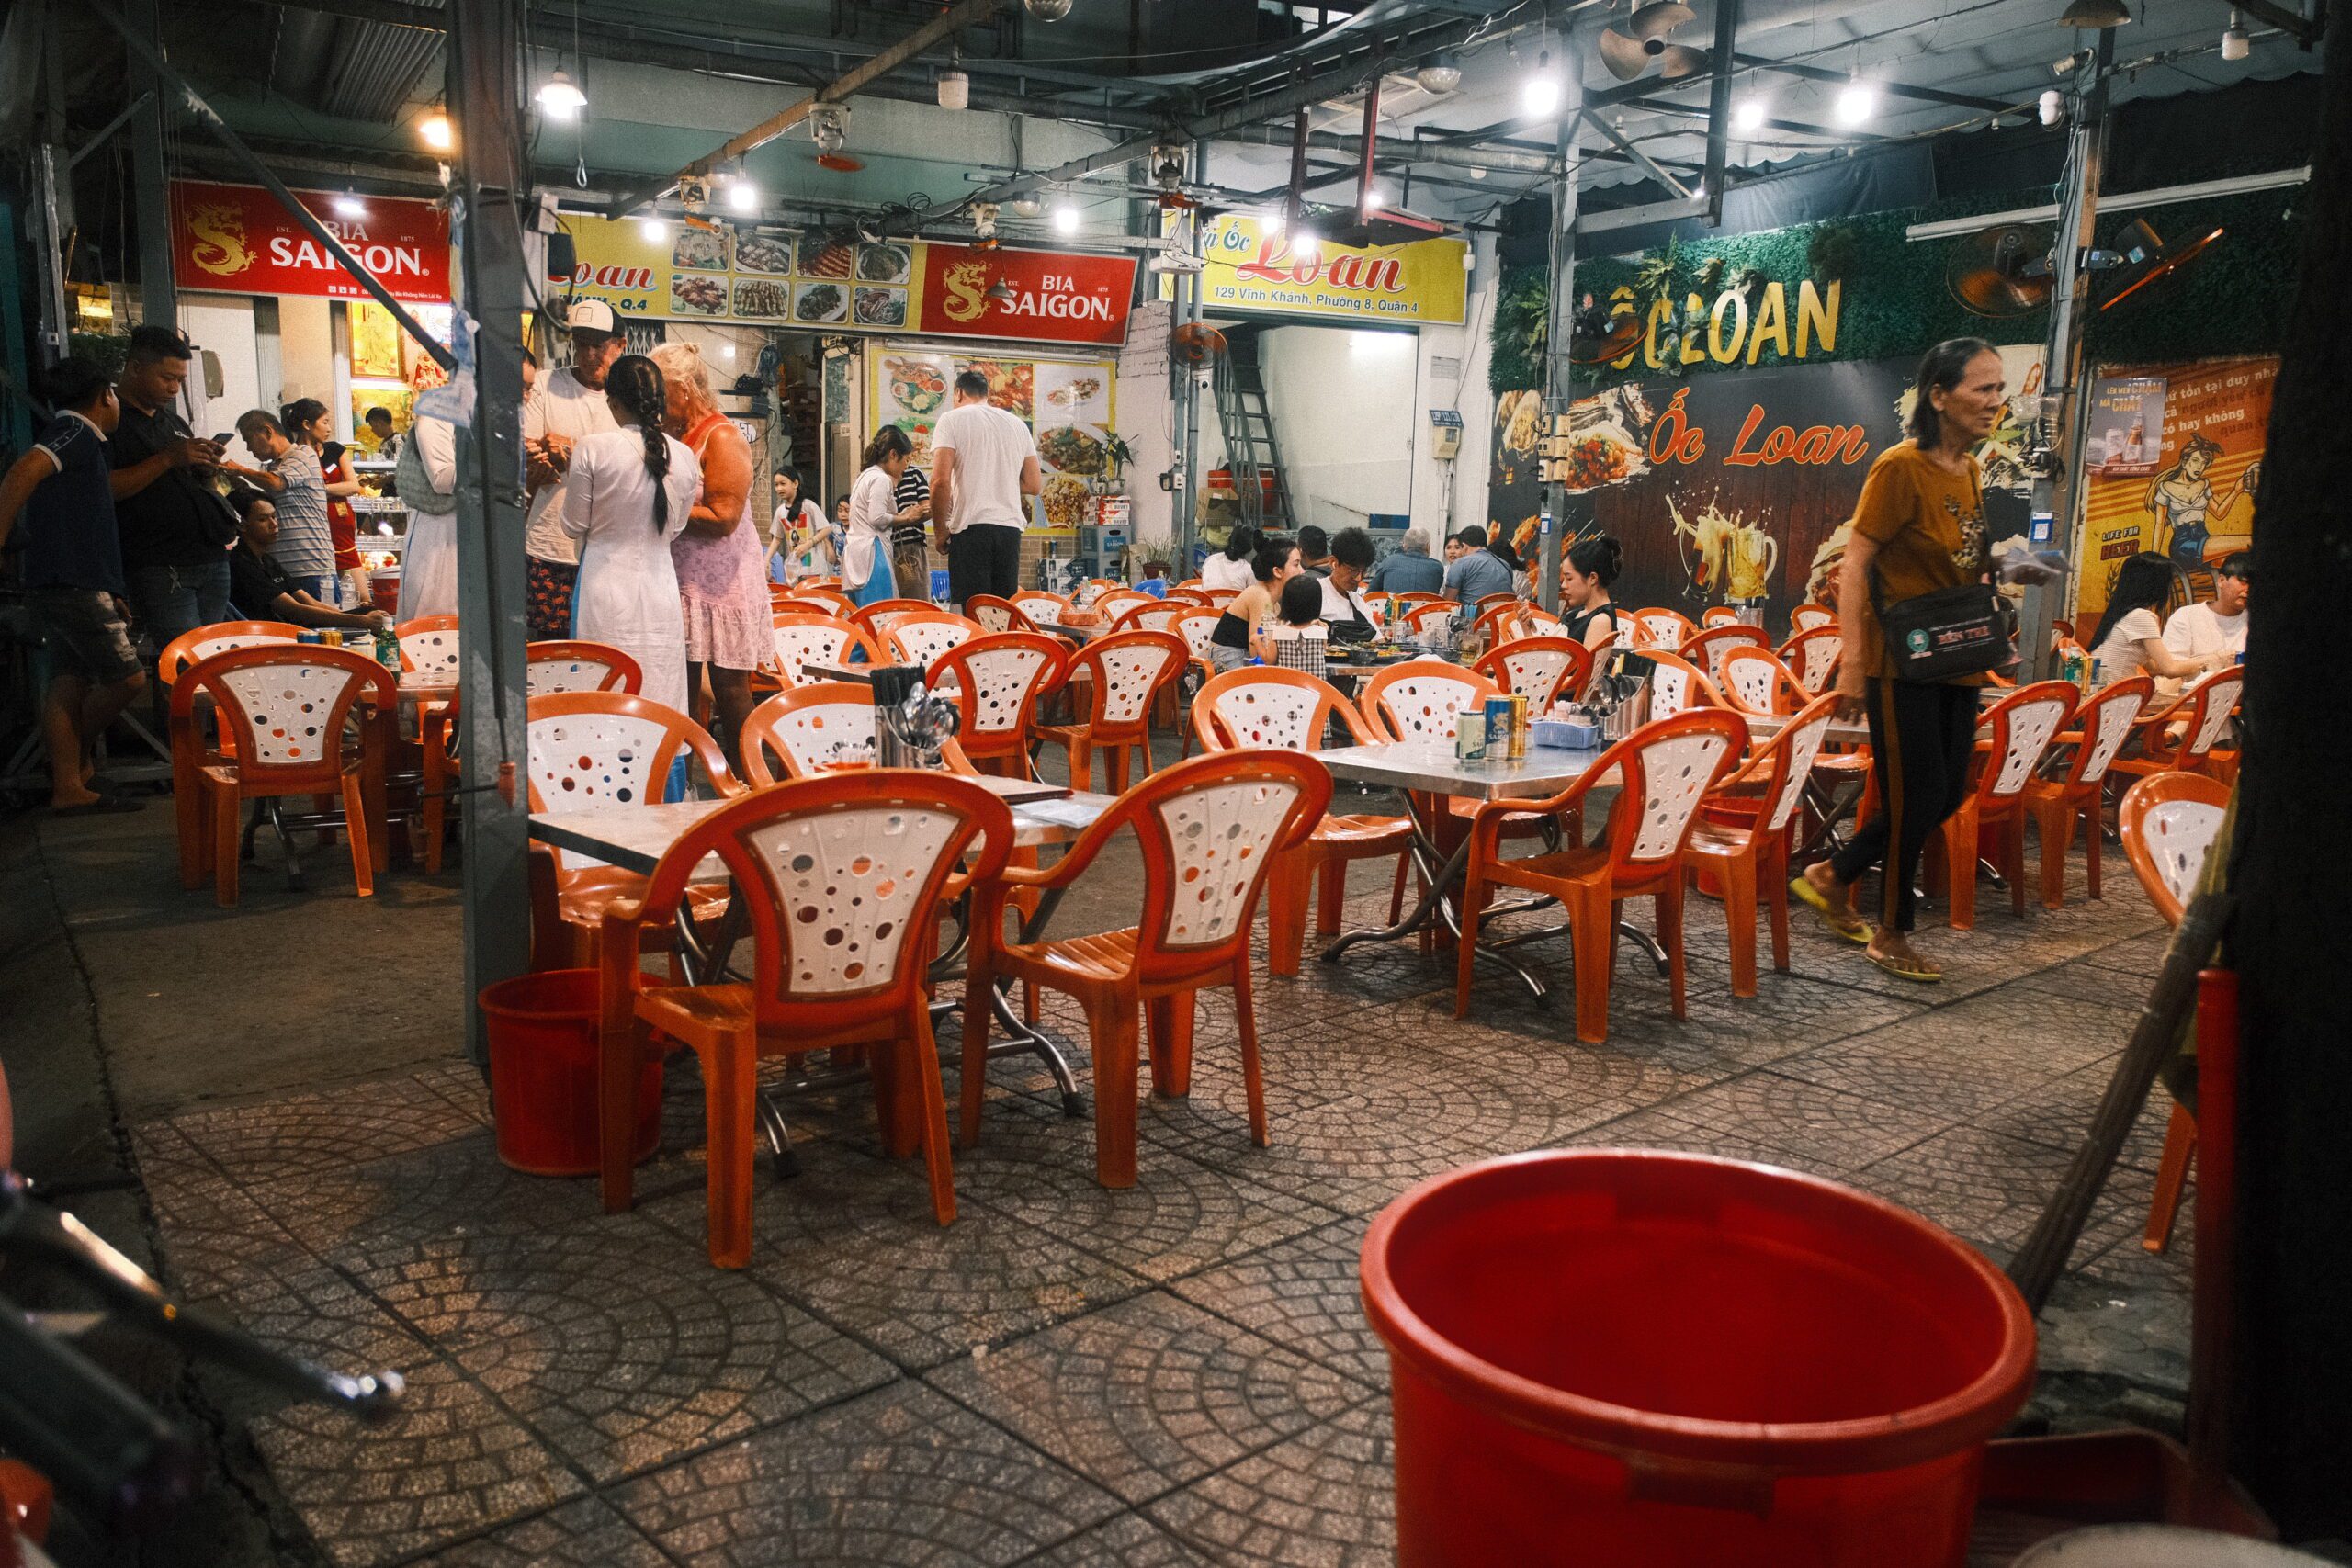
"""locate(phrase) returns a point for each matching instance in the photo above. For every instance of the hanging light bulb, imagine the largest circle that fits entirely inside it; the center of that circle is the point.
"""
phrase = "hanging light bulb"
(437, 132)
(348, 204)
(2052, 107)
(1541, 96)
(1857, 101)
(1747, 115)
(1374, 199)
(656, 230)
(560, 98)
(742, 196)
(1065, 218)
(1305, 244)
(2235, 45)
(954, 90)
(1030, 207)
(1272, 222)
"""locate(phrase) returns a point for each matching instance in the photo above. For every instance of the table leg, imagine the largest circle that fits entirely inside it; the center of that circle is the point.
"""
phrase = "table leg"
(1442, 872)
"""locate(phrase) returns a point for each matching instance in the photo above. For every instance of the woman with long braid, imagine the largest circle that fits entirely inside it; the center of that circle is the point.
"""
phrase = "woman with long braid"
(626, 492)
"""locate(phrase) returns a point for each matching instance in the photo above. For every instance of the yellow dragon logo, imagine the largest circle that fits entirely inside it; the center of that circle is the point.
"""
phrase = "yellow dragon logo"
(219, 247)
(966, 284)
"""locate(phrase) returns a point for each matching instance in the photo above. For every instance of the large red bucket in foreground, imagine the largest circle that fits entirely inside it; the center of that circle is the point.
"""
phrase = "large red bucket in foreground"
(542, 1031)
(1630, 1358)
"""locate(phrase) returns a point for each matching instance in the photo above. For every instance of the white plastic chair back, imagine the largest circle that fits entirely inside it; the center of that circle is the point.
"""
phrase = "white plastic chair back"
(796, 646)
(1221, 837)
(1118, 602)
(1675, 772)
(993, 617)
(2178, 834)
(548, 677)
(431, 653)
(1531, 672)
(2106, 730)
(1128, 676)
(845, 882)
(921, 642)
(287, 707)
(883, 622)
(1803, 746)
(1270, 715)
(1043, 609)
(821, 734)
(1422, 707)
(581, 761)
(2032, 727)
(2220, 691)
(1670, 691)
(1819, 654)
(1751, 680)
(1004, 678)
(1805, 618)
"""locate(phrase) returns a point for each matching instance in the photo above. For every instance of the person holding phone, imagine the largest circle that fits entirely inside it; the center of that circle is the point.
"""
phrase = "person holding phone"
(173, 528)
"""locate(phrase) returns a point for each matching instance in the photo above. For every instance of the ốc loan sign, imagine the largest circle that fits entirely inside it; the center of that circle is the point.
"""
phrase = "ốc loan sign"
(238, 240)
(1250, 268)
(752, 277)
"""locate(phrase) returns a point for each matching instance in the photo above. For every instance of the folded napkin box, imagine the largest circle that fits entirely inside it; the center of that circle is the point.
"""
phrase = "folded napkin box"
(1564, 734)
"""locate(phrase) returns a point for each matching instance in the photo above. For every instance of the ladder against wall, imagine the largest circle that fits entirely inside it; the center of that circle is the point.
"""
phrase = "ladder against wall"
(1251, 453)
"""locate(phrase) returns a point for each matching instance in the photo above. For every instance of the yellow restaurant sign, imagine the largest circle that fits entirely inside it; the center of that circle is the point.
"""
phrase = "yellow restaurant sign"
(1411, 285)
(1725, 335)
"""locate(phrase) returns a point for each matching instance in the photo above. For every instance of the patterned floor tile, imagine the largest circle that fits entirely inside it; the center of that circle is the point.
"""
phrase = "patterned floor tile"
(1989, 1189)
(586, 1534)
(1323, 1499)
(454, 1189)
(855, 1241)
(1129, 1541)
(2139, 957)
(1149, 1394)
(1037, 1166)
(2057, 1115)
(899, 1476)
(448, 1464)
(2124, 1315)
(1303, 1294)
(1963, 1060)
(306, 1133)
(212, 1235)
(1780, 1120)
(616, 1360)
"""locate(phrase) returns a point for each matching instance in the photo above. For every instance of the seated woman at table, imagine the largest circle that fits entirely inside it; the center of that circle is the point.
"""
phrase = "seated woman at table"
(1231, 644)
(1227, 571)
(2130, 637)
(1298, 638)
(260, 589)
(626, 491)
(1587, 570)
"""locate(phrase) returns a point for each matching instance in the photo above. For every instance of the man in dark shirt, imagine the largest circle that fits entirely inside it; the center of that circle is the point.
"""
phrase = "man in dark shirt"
(175, 534)
(1313, 551)
(264, 591)
(73, 578)
(909, 556)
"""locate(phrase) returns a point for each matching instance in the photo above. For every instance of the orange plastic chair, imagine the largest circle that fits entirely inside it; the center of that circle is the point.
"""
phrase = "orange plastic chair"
(1043, 609)
(1210, 829)
(548, 669)
(1190, 596)
(1111, 605)
(801, 640)
(188, 797)
(2102, 724)
(1129, 669)
(1744, 840)
(998, 678)
(805, 604)
(820, 728)
(1715, 616)
(923, 638)
(1708, 648)
(219, 638)
(1812, 657)
(2168, 823)
(1266, 707)
(1422, 615)
(1196, 624)
(585, 750)
(1666, 768)
(2022, 726)
(1489, 603)
(1755, 682)
(1419, 699)
(1149, 615)
(1498, 625)
(1676, 684)
(877, 619)
(429, 645)
(282, 709)
(1542, 669)
(2203, 712)
(1810, 617)
(841, 879)
(834, 601)
(1661, 628)
(996, 615)
(1421, 597)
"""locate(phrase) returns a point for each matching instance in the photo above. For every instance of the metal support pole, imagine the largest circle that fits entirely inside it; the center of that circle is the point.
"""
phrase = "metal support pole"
(484, 93)
(1194, 299)
(159, 298)
(143, 53)
(1719, 108)
(1559, 324)
(2056, 493)
(55, 323)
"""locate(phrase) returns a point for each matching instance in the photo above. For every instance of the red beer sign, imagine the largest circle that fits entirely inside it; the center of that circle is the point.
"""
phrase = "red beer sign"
(1050, 296)
(238, 238)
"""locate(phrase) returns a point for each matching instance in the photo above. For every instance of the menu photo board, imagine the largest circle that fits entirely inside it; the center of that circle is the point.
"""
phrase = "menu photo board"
(703, 271)
(1067, 403)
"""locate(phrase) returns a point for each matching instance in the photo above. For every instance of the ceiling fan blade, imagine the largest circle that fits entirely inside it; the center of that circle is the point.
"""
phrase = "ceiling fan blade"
(1624, 57)
(1658, 18)
(1681, 60)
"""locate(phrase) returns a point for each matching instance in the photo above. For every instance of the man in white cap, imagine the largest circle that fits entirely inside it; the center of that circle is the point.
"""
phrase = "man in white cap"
(570, 404)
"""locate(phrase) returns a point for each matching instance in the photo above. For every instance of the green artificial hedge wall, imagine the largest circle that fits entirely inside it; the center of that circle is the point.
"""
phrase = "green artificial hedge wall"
(2232, 300)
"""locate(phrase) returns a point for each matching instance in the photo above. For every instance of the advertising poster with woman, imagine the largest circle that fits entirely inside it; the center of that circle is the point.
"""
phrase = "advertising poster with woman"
(2195, 502)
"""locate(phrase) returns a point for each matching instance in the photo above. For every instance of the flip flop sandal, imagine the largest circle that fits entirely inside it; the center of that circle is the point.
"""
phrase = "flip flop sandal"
(1919, 971)
(1860, 931)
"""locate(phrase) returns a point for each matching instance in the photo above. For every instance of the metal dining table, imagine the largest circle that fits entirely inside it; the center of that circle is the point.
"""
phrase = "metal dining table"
(635, 837)
(1428, 775)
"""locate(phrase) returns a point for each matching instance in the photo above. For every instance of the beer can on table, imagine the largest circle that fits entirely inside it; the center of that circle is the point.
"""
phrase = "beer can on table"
(1518, 726)
(308, 637)
(1498, 727)
(331, 637)
(1469, 735)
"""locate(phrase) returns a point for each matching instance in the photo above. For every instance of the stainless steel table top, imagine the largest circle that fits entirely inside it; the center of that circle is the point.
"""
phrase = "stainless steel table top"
(1434, 769)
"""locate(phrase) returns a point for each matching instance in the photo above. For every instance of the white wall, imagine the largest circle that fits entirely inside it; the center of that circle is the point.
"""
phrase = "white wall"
(1344, 405)
(223, 324)
(306, 355)
(1463, 494)
(1146, 415)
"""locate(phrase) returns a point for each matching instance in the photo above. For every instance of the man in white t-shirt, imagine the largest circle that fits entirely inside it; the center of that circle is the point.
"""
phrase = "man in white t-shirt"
(2197, 631)
(569, 405)
(984, 467)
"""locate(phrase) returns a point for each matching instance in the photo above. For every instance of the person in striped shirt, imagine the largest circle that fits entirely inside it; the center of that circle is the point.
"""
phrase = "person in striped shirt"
(297, 486)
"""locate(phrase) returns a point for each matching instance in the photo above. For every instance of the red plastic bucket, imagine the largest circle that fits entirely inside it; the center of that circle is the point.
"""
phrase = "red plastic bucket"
(384, 590)
(1630, 1358)
(543, 1052)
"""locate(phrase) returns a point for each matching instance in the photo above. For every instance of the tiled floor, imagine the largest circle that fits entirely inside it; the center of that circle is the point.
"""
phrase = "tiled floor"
(1177, 1374)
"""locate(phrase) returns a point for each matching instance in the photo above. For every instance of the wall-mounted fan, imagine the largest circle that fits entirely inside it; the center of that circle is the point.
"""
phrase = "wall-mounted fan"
(2001, 271)
(2146, 267)
(1194, 343)
(1642, 44)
